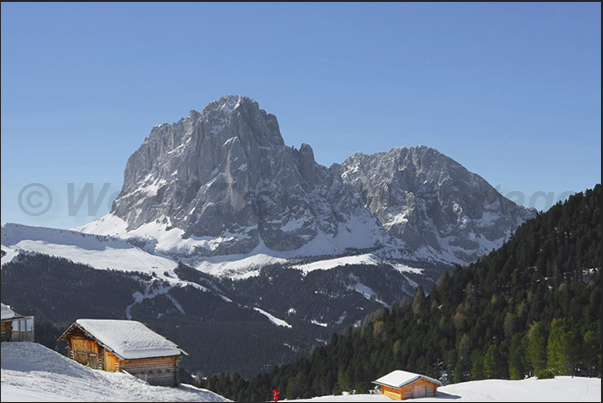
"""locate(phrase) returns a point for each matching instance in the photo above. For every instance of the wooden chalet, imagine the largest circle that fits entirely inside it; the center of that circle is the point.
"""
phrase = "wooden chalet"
(16, 327)
(400, 385)
(126, 346)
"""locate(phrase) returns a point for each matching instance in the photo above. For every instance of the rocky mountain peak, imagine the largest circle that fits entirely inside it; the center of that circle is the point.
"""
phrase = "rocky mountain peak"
(228, 103)
(225, 180)
(432, 202)
(226, 176)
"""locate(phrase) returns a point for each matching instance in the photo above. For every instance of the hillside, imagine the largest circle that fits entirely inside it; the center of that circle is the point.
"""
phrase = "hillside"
(221, 324)
(533, 307)
(560, 389)
(32, 372)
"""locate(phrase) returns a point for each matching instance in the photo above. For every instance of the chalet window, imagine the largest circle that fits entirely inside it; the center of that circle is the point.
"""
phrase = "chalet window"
(20, 325)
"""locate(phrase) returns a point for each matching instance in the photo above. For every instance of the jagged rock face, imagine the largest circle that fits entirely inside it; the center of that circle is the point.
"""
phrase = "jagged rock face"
(227, 174)
(427, 199)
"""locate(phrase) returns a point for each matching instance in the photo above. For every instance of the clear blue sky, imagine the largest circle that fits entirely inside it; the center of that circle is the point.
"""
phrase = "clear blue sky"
(512, 91)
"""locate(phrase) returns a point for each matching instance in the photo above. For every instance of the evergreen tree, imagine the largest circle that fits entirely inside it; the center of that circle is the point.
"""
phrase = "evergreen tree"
(536, 352)
(477, 368)
(562, 352)
(517, 356)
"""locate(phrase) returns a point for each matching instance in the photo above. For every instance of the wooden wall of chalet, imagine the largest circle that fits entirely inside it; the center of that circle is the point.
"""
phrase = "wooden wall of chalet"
(419, 388)
(111, 362)
(84, 350)
(7, 328)
(161, 371)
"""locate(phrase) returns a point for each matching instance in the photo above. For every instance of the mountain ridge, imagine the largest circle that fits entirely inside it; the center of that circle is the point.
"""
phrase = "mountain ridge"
(228, 171)
(226, 179)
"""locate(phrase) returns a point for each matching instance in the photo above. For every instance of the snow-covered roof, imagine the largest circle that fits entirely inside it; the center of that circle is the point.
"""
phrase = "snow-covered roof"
(397, 379)
(7, 313)
(128, 339)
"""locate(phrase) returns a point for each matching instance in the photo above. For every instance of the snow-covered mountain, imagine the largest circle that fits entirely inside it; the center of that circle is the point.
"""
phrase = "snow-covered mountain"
(223, 183)
(98, 251)
(228, 184)
(220, 224)
(431, 203)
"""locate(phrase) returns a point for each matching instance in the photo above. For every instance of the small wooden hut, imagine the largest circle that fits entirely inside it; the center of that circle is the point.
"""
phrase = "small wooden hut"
(400, 385)
(126, 346)
(16, 327)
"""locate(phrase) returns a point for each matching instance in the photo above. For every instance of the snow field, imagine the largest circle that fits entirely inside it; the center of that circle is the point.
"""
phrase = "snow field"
(560, 389)
(32, 372)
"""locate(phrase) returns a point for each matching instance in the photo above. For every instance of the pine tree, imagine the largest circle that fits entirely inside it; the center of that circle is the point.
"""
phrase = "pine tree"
(477, 367)
(562, 352)
(490, 362)
(536, 352)
(518, 367)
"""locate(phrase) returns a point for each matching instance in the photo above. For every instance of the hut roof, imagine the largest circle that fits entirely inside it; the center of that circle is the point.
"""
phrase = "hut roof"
(127, 339)
(7, 313)
(397, 379)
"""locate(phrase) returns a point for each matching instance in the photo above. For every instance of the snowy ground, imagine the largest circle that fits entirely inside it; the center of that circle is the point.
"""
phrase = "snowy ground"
(560, 389)
(32, 372)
